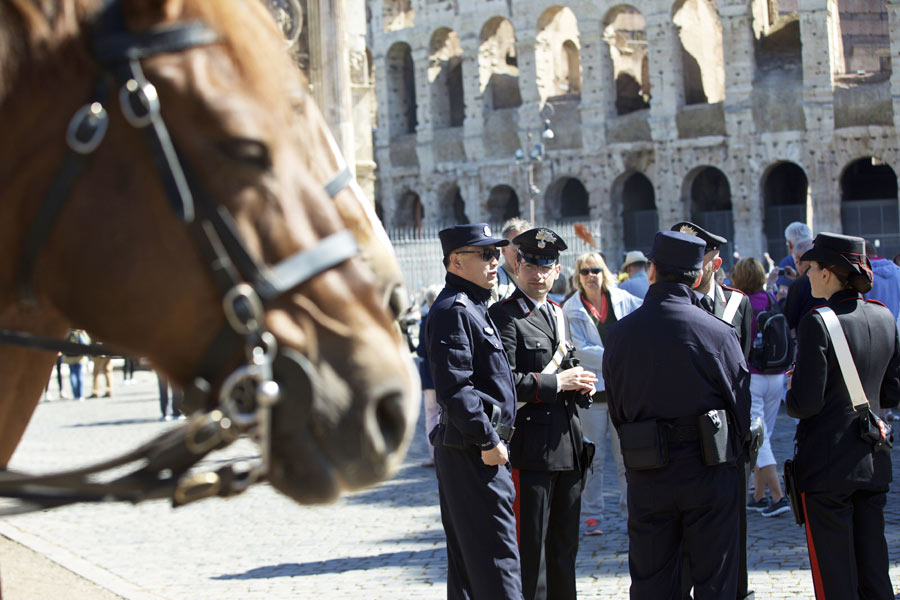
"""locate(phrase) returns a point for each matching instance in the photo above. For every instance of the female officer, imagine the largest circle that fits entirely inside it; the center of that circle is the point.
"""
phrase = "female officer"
(842, 480)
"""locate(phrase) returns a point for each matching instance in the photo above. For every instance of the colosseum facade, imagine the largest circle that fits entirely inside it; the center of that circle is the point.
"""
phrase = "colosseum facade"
(743, 116)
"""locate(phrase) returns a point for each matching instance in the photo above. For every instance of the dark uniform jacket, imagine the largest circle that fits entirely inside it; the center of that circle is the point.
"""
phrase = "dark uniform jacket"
(468, 365)
(548, 433)
(743, 318)
(676, 360)
(830, 454)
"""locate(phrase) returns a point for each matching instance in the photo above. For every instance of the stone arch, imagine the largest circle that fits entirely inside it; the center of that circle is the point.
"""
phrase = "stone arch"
(708, 194)
(625, 31)
(502, 204)
(498, 66)
(557, 54)
(445, 79)
(640, 219)
(703, 59)
(451, 208)
(861, 38)
(397, 14)
(869, 206)
(409, 212)
(401, 84)
(567, 198)
(785, 190)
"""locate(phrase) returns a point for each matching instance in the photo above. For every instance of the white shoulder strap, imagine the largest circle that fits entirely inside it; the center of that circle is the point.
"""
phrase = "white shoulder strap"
(845, 359)
(731, 308)
(561, 350)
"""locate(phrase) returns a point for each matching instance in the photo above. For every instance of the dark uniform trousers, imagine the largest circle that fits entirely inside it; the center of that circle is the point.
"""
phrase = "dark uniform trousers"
(683, 506)
(845, 534)
(479, 566)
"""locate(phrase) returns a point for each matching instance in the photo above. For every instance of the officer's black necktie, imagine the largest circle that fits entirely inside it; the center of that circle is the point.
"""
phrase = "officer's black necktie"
(545, 311)
(707, 303)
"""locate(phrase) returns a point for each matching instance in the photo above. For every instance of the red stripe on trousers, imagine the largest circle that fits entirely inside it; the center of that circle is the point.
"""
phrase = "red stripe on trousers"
(813, 559)
(515, 478)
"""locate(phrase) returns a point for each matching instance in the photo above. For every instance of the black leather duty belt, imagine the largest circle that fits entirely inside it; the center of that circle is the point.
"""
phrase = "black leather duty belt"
(681, 430)
(504, 432)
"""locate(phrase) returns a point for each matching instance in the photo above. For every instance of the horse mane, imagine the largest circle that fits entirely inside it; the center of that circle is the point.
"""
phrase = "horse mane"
(32, 30)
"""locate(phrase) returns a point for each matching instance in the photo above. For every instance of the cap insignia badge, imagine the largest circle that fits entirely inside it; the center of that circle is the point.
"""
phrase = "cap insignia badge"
(543, 236)
(487, 231)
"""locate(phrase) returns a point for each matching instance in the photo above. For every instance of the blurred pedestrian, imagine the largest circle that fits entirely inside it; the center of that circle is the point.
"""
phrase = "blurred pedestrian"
(635, 266)
(507, 281)
(76, 362)
(170, 399)
(432, 409)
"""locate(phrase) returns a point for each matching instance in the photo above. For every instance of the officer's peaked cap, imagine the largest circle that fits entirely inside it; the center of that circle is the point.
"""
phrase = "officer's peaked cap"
(846, 251)
(473, 234)
(713, 241)
(676, 250)
(540, 246)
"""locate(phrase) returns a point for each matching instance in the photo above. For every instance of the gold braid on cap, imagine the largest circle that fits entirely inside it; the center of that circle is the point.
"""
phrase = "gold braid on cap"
(688, 230)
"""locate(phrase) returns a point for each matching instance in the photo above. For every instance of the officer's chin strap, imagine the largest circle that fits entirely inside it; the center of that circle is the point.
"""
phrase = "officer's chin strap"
(161, 467)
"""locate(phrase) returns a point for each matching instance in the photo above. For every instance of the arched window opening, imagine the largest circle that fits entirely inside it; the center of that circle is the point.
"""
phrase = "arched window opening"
(409, 211)
(498, 69)
(861, 39)
(625, 31)
(502, 204)
(401, 90)
(557, 54)
(567, 198)
(397, 14)
(785, 195)
(869, 206)
(452, 207)
(445, 79)
(639, 215)
(710, 202)
(703, 59)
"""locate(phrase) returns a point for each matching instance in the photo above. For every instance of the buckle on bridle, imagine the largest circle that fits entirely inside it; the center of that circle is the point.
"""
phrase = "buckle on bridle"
(243, 309)
(140, 102)
(87, 128)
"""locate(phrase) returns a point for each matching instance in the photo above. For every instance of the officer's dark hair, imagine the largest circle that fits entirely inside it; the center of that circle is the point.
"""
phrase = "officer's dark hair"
(848, 279)
(447, 262)
(666, 273)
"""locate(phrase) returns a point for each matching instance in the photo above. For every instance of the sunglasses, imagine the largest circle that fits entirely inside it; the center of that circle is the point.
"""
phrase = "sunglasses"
(487, 254)
(594, 270)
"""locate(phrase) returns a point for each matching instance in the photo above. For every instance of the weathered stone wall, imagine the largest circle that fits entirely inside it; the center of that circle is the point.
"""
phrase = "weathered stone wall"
(770, 72)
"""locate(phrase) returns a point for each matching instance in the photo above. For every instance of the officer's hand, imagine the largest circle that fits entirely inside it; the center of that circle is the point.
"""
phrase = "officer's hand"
(576, 378)
(496, 456)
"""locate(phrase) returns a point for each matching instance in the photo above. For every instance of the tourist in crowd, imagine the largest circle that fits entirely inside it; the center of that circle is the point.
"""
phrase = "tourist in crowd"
(635, 266)
(799, 299)
(432, 410)
(794, 233)
(505, 284)
(597, 304)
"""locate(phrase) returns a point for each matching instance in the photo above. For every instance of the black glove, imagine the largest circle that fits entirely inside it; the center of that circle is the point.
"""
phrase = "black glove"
(584, 400)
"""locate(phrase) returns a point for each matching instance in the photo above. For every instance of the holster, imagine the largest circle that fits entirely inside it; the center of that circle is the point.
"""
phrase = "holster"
(755, 442)
(712, 429)
(643, 445)
(792, 492)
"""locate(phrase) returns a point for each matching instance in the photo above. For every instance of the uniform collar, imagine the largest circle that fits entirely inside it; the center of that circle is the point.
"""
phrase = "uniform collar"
(843, 296)
(669, 289)
(475, 292)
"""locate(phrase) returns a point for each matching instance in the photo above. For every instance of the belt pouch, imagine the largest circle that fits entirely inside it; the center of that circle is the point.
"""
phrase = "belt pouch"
(642, 445)
(588, 450)
(792, 492)
(453, 438)
(712, 429)
(874, 430)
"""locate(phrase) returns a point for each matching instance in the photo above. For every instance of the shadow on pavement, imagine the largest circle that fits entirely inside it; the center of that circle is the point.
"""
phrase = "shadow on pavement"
(141, 421)
(339, 565)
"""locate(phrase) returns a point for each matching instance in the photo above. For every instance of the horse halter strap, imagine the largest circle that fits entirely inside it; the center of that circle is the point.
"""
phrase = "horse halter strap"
(247, 287)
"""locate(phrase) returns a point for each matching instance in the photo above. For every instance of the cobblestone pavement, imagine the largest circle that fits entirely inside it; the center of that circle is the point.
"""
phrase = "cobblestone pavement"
(382, 543)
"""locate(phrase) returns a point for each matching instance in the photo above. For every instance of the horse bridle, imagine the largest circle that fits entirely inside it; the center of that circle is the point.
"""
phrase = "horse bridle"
(248, 394)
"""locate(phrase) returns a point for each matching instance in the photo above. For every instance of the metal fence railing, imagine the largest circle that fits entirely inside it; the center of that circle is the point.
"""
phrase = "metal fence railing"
(419, 251)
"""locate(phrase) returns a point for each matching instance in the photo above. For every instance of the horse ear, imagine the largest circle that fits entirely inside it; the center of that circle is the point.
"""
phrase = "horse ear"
(142, 14)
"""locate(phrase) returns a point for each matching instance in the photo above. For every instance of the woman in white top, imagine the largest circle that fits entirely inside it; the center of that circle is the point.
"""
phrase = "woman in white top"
(597, 304)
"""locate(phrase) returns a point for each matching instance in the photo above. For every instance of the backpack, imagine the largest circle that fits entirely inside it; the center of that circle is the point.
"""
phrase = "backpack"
(773, 348)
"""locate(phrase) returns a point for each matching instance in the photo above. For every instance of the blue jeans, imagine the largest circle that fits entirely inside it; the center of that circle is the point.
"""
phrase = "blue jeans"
(75, 379)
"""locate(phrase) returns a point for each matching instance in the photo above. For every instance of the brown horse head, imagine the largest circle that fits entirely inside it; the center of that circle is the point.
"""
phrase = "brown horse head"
(121, 263)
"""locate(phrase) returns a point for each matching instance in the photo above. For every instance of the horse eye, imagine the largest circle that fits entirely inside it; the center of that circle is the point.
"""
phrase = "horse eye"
(247, 151)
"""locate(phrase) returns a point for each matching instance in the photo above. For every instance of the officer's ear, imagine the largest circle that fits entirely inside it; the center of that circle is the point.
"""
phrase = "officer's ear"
(717, 262)
(651, 273)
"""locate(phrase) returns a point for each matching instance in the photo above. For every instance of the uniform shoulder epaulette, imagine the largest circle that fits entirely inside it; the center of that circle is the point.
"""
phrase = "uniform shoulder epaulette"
(873, 301)
(461, 299)
(506, 301)
(731, 289)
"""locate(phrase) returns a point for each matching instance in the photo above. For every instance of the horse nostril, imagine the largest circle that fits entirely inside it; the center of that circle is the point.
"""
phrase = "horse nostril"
(391, 422)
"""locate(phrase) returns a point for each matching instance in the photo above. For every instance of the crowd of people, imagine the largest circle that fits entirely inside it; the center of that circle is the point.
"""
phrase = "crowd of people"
(529, 373)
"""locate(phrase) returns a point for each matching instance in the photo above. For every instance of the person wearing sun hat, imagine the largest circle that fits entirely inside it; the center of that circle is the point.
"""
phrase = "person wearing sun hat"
(635, 266)
(668, 367)
(474, 387)
(843, 479)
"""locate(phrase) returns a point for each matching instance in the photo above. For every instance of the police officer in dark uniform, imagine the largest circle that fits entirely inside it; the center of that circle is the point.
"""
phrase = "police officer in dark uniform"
(474, 387)
(680, 428)
(842, 477)
(715, 298)
(547, 446)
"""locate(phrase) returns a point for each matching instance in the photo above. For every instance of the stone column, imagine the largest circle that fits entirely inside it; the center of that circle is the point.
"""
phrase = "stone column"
(893, 10)
(530, 111)
(815, 38)
(425, 124)
(740, 62)
(666, 75)
(473, 97)
(596, 84)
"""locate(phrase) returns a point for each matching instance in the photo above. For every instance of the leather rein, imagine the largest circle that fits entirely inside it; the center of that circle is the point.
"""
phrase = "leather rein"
(246, 397)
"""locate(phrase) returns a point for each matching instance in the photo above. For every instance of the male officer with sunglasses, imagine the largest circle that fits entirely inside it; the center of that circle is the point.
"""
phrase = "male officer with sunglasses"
(546, 451)
(474, 387)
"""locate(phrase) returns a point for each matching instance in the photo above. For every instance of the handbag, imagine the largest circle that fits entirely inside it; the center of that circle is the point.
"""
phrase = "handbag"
(872, 428)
